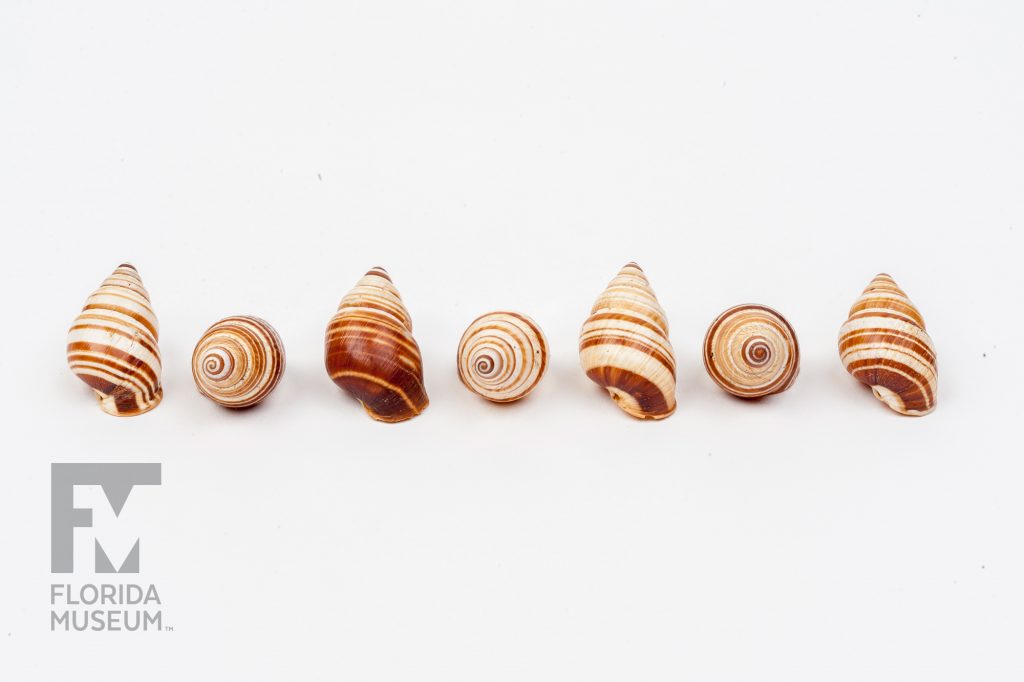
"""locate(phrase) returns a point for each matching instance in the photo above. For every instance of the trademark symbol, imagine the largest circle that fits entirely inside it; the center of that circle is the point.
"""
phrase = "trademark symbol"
(168, 628)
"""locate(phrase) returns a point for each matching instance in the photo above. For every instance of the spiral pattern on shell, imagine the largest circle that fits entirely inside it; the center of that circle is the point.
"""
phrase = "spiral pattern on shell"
(751, 351)
(238, 361)
(370, 352)
(884, 344)
(112, 345)
(502, 356)
(624, 347)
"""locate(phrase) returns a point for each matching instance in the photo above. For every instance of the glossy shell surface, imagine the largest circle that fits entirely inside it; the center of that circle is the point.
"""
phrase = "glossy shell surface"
(502, 356)
(370, 351)
(112, 345)
(884, 345)
(751, 351)
(625, 349)
(238, 361)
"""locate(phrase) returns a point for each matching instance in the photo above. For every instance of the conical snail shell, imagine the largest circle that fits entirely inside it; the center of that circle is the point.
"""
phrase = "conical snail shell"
(883, 343)
(502, 356)
(624, 347)
(112, 345)
(751, 351)
(370, 351)
(238, 361)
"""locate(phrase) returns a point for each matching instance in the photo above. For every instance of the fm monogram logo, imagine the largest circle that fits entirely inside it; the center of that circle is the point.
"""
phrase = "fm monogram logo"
(117, 482)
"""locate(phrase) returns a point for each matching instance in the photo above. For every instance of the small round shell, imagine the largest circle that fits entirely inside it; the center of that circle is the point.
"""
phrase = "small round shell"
(751, 351)
(502, 356)
(238, 361)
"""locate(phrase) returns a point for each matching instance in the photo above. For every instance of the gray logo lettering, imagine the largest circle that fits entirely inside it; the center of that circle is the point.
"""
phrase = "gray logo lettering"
(117, 481)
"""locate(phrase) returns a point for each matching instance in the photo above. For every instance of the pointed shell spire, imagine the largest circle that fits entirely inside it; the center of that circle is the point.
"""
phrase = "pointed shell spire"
(112, 345)
(624, 347)
(883, 343)
(370, 351)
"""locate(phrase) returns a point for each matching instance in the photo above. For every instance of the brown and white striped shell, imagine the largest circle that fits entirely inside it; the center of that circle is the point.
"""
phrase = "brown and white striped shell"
(238, 361)
(502, 356)
(883, 343)
(370, 351)
(751, 351)
(112, 345)
(624, 347)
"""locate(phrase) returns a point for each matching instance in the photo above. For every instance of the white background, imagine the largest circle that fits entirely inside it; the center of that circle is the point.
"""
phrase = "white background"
(258, 158)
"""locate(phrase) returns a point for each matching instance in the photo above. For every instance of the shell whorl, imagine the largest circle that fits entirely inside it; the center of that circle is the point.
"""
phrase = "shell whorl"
(238, 361)
(502, 356)
(884, 344)
(751, 351)
(624, 347)
(112, 345)
(370, 351)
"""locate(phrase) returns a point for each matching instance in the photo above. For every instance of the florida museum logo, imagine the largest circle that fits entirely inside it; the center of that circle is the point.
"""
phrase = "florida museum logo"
(99, 603)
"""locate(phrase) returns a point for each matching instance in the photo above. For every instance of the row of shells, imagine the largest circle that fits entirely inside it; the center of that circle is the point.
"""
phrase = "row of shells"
(750, 350)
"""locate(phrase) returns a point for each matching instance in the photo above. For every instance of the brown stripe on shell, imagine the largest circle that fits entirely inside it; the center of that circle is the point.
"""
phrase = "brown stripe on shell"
(884, 345)
(625, 349)
(125, 310)
(96, 369)
(135, 368)
(112, 345)
(892, 338)
(667, 361)
(902, 380)
(369, 350)
(633, 319)
(635, 394)
(94, 324)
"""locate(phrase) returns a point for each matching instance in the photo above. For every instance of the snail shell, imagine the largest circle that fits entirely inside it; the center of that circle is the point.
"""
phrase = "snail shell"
(502, 356)
(112, 345)
(751, 351)
(883, 343)
(238, 361)
(370, 351)
(624, 347)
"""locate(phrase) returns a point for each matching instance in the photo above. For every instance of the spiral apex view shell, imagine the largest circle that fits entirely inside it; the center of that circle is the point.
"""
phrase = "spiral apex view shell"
(751, 351)
(238, 361)
(883, 343)
(624, 347)
(502, 356)
(370, 351)
(112, 345)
